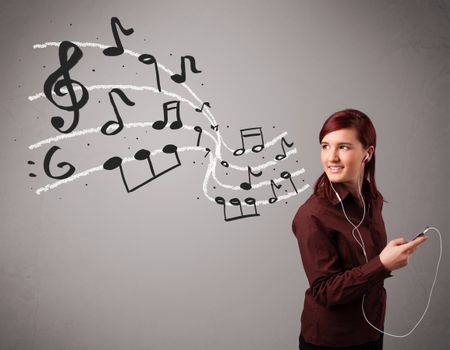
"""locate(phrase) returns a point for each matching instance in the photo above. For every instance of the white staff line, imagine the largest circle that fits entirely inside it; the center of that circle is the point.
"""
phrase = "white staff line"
(211, 165)
(129, 52)
(155, 152)
(259, 184)
(123, 87)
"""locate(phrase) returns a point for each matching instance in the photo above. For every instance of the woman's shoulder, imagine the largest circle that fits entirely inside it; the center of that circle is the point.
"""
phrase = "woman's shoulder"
(311, 210)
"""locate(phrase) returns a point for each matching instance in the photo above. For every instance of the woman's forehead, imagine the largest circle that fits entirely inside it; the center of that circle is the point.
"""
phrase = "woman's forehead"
(342, 136)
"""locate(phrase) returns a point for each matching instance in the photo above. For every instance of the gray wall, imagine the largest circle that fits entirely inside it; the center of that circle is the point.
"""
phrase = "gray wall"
(87, 265)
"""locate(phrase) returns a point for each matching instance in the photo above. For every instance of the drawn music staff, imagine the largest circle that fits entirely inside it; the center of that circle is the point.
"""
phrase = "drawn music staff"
(181, 78)
(118, 49)
(119, 122)
(168, 106)
(251, 133)
(142, 155)
(60, 83)
(236, 202)
(248, 185)
(283, 142)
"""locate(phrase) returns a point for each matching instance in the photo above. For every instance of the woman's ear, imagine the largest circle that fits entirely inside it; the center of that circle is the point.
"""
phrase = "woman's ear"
(369, 154)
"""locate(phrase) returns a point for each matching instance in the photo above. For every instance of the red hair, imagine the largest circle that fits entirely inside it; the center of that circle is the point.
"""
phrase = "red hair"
(352, 119)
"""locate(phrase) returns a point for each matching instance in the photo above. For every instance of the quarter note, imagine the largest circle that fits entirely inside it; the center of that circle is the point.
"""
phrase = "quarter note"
(247, 133)
(119, 122)
(181, 78)
(60, 83)
(146, 58)
(160, 124)
(118, 49)
(287, 175)
(143, 154)
(199, 130)
(275, 197)
(248, 185)
(236, 202)
(203, 104)
(283, 142)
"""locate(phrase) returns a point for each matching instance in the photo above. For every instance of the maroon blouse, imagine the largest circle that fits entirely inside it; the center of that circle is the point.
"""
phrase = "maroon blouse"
(337, 271)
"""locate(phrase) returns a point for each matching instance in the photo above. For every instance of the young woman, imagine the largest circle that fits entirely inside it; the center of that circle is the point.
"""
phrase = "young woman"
(342, 241)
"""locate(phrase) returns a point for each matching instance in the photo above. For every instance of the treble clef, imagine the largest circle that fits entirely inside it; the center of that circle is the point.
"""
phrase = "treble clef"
(60, 83)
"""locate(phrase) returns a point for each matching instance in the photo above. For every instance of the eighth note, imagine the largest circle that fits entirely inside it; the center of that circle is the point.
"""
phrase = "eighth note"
(250, 132)
(119, 122)
(237, 202)
(248, 185)
(275, 197)
(118, 49)
(181, 78)
(143, 154)
(160, 124)
(283, 142)
(204, 104)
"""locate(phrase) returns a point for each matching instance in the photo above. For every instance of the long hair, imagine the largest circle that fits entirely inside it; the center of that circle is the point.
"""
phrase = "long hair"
(351, 119)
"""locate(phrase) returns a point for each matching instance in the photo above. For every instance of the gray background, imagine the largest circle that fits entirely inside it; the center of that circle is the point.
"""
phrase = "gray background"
(88, 266)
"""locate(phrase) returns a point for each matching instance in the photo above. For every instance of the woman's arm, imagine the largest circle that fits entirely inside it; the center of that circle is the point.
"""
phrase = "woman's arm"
(330, 283)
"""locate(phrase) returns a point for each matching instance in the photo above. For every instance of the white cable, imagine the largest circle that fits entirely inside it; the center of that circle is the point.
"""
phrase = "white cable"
(429, 297)
(355, 227)
(362, 245)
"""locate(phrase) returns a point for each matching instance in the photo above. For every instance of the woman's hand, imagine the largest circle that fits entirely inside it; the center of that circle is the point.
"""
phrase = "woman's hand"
(397, 252)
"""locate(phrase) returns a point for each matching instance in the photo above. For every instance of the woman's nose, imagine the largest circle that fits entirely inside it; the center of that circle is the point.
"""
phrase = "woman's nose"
(333, 155)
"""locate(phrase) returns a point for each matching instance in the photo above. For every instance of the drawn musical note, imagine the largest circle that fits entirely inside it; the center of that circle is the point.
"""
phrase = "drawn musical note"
(248, 185)
(66, 83)
(146, 58)
(143, 154)
(283, 142)
(287, 175)
(215, 127)
(47, 160)
(199, 130)
(118, 49)
(225, 163)
(119, 122)
(160, 124)
(236, 202)
(204, 104)
(207, 151)
(250, 132)
(275, 197)
(181, 78)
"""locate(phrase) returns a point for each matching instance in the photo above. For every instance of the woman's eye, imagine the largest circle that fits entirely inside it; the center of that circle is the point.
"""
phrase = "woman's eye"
(344, 147)
(324, 146)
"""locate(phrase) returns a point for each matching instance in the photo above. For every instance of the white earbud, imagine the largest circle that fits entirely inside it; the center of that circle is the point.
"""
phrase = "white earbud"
(366, 158)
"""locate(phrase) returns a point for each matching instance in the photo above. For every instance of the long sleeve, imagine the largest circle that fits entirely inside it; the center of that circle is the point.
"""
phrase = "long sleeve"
(330, 283)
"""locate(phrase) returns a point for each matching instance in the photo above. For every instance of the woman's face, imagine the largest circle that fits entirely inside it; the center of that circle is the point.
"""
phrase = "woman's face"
(342, 157)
